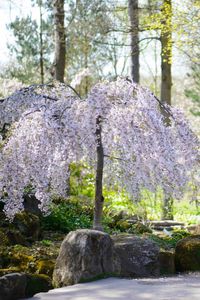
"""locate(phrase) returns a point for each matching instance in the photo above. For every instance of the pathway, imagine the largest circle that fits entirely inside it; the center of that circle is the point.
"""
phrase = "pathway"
(185, 287)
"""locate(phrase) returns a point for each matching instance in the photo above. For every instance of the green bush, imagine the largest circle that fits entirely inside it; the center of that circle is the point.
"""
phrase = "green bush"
(67, 216)
(169, 242)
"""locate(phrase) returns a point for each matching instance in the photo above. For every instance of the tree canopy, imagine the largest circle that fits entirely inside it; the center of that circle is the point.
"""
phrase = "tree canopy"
(53, 127)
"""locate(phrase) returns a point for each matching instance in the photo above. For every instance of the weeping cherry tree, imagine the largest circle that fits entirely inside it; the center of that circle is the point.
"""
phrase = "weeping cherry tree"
(119, 129)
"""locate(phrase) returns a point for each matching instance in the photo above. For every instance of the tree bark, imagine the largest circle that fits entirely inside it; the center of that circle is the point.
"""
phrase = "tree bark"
(166, 54)
(41, 45)
(166, 81)
(167, 211)
(60, 47)
(99, 199)
(134, 24)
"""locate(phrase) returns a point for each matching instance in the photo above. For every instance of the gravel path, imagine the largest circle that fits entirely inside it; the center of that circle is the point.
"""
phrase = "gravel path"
(184, 287)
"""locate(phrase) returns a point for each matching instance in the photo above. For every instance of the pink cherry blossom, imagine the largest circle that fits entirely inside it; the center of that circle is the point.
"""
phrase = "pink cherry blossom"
(53, 127)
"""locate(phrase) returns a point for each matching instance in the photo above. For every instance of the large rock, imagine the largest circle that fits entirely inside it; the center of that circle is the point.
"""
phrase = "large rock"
(135, 256)
(15, 286)
(12, 286)
(194, 229)
(37, 283)
(187, 254)
(167, 262)
(28, 225)
(84, 255)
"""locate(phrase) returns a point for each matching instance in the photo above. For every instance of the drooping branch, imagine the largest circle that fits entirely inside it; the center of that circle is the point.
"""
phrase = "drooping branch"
(133, 130)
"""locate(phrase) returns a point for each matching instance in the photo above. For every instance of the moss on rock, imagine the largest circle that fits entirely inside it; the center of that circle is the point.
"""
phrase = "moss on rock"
(123, 225)
(45, 267)
(9, 270)
(187, 254)
(28, 224)
(4, 241)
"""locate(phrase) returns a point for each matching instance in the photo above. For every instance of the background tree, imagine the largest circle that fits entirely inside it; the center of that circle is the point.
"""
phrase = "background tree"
(60, 39)
(133, 9)
(160, 20)
(41, 44)
(189, 22)
(88, 25)
(32, 48)
(166, 48)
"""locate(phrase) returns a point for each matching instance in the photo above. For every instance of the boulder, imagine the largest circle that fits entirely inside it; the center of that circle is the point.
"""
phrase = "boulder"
(37, 283)
(167, 262)
(187, 254)
(15, 237)
(28, 225)
(84, 255)
(135, 256)
(12, 286)
(194, 229)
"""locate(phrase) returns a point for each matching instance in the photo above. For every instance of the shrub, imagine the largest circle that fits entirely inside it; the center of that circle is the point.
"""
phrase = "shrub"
(67, 216)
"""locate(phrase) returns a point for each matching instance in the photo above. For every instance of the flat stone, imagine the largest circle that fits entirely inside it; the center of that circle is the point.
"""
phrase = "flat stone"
(170, 288)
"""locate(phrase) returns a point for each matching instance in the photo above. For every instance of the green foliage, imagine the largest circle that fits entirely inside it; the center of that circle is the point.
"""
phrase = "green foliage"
(167, 242)
(77, 211)
(194, 92)
(162, 242)
(179, 234)
(88, 25)
(148, 207)
(27, 48)
(187, 211)
(46, 243)
(139, 228)
(81, 180)
(67, 216)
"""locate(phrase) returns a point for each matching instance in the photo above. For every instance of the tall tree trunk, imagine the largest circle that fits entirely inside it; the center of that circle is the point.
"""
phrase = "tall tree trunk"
(99, 199)
(134, 24)
(166, 55)
(41, 45)
(166, 81)
(167, 210)
(60, 47)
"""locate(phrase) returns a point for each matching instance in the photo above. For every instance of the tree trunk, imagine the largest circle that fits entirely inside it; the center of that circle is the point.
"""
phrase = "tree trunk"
(166, 54)
(134, 24)
(41, 45)
(60, 47)
(166, 81)
(99, 199)
(167, 211)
